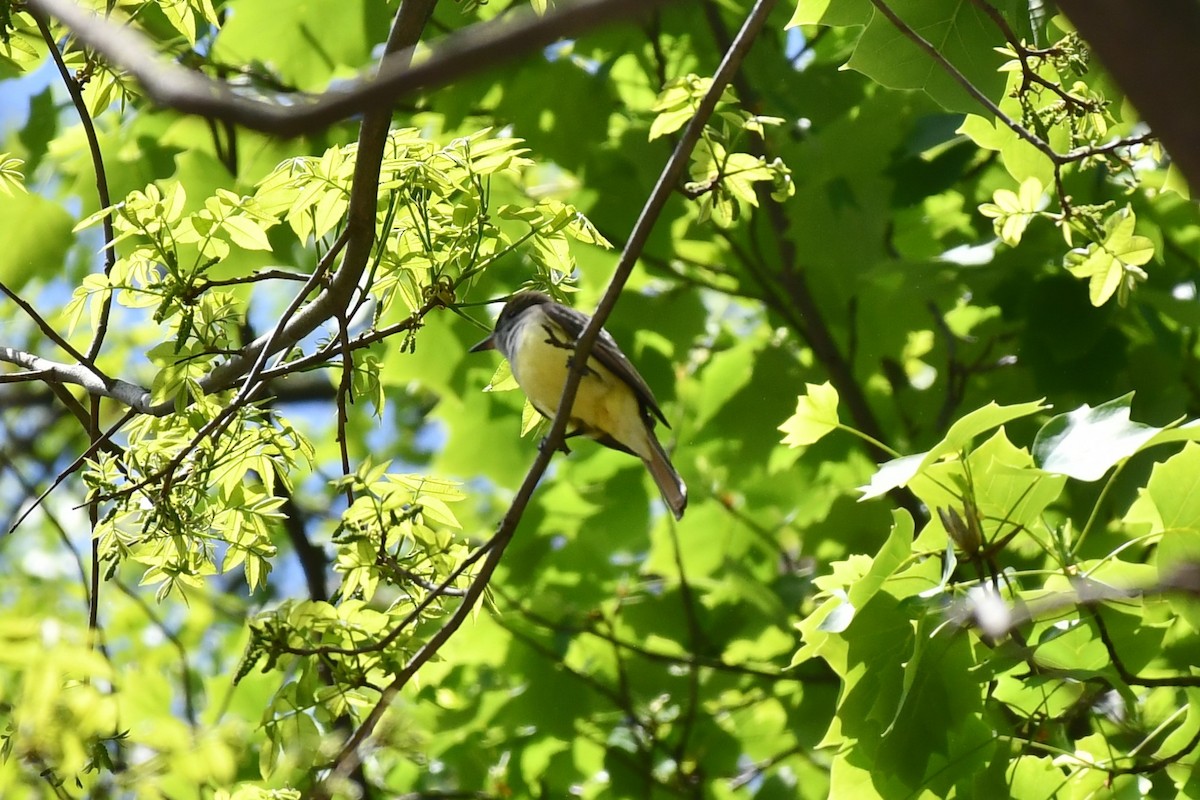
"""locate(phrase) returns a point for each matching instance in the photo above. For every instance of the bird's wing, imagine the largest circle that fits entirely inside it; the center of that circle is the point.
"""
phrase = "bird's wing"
(607, 353)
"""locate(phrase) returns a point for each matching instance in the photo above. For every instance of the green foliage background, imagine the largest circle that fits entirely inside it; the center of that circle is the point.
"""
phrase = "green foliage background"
(867, 257)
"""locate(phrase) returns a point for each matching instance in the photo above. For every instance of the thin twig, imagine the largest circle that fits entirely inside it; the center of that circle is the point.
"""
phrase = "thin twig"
(1156, 764)
(1059, 159)
(756, 771)
(50, 333)
(1119, 664)
(97, 444)
(696, 644)
(28, 376)
(963, 81)
(272, 274)
(102, 193)
(31, 490)
(692, 660)
(93, 507)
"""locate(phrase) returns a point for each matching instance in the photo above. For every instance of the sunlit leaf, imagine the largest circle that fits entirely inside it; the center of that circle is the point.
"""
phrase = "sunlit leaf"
(816, 415)
(1086, 443)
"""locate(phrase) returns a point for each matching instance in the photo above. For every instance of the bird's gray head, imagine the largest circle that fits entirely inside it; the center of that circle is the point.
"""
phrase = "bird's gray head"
(517, 305)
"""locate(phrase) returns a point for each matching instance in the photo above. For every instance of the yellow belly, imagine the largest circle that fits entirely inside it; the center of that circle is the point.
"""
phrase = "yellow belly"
(604, 404)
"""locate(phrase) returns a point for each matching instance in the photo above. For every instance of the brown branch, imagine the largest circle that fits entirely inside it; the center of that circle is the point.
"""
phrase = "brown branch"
(271, 274)
(1156, 764)
(50, 333)
(963, 81)
(668, 179)
(1079, 153)
(461, 54)
(103, 442)
(1028, 73)
(75, 90)
(93, 506)
(1119, 663)
(28, 376)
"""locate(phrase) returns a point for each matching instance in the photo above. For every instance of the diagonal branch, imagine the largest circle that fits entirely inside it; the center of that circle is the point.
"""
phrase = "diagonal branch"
(988, 612)
(668, 179)
(471, 51)
(50, 333)
(963, 81)
(1056, 158)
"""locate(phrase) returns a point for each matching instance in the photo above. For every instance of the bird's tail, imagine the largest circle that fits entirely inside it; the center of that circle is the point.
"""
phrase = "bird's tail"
(672, 487)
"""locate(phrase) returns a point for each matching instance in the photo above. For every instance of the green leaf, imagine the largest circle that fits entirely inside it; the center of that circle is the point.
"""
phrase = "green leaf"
(894, 474)
(899, 471)
(1174, 491)
(816, 415)
(246, 233)
(1033, 778)
(960, 32)
(1086, 443)
(830, 12)
(1114, 264)
(12, 179)
(1174, 487)
(1012, 211)
(670, 121)
(890, 558)
(37, 247)
(1072, 647)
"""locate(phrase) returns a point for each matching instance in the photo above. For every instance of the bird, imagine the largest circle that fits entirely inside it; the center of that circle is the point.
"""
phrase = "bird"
(613, 405)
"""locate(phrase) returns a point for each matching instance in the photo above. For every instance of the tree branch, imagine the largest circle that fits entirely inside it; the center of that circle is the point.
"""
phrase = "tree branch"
(49, 331)
(1079, 153)
(89, 131)
(468, 52)
(135, 397)
(963, 81)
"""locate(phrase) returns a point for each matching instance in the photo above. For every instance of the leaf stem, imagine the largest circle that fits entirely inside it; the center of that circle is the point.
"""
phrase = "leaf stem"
(871, 440)
(1095, 515)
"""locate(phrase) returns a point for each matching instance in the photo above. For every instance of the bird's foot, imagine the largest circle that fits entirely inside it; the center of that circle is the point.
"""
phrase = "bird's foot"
(562, 446)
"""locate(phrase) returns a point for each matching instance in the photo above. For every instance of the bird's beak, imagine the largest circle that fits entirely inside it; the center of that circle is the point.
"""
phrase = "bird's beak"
(486, 344)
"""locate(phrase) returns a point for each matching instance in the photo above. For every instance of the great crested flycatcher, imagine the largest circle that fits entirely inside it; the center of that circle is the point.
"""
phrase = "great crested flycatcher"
(614, 405)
